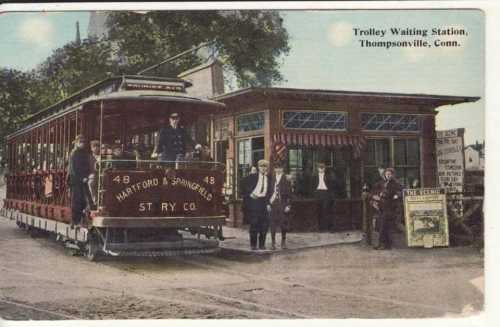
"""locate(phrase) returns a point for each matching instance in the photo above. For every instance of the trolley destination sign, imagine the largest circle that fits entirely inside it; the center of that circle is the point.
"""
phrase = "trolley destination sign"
(162, 192)
(136, 84)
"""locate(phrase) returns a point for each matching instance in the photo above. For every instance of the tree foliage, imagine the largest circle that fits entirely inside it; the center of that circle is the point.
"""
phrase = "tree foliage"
(250, 43)
(72, 68)
(17, 100)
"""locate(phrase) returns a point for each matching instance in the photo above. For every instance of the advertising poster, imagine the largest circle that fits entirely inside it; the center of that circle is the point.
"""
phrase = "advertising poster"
(425, 217)
(450, 164)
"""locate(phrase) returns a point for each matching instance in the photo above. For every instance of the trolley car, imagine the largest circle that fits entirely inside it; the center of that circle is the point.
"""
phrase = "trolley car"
(143, 206)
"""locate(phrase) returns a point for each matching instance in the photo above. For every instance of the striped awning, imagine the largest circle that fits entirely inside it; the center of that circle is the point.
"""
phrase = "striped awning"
(357, 142)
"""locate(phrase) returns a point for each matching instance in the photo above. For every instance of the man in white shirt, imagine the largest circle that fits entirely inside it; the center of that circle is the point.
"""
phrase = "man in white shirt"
(256, 192)
(324, 189)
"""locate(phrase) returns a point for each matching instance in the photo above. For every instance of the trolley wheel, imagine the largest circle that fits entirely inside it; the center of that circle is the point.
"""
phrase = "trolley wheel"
(33, 232)
(92, 249)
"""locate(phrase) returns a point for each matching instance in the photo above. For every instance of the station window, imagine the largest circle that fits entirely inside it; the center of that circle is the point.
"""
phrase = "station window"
(250, 151)
(302, 165)
(407, 161)
(250, 122)
(390, 122)
(378, 155)
(330, 120)
(221, 129)
(402, 154)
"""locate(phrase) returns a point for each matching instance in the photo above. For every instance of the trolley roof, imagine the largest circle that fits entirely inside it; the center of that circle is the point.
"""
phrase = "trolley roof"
(120, 88)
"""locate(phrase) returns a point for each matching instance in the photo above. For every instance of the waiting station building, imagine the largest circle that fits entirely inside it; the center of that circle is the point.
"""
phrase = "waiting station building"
(354, 133)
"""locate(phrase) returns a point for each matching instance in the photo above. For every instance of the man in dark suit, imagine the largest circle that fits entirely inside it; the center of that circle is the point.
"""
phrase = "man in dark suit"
(78, 173)
(279, 205)
(256, 192)
(324, 188)
(243, 186)
(387, 195)
(173, 140)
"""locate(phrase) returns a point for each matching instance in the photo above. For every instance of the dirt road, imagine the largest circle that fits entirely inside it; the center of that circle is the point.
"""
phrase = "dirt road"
(41, 280)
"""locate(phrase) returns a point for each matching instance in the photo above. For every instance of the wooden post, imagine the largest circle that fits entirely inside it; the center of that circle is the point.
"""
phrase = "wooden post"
(367, 221)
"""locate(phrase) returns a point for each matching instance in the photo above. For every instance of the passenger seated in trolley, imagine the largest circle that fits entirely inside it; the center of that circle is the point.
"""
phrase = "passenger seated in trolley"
(122, 159)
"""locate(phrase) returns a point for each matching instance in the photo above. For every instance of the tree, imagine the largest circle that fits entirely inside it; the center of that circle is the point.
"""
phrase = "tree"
(68, 70)
(72, 68)
(17, 101)
(250, 43)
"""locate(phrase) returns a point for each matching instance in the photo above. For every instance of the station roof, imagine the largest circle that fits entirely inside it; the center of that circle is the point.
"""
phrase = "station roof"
(309, 94)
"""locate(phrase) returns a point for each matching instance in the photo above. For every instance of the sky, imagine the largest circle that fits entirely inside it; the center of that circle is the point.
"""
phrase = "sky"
(325, 54)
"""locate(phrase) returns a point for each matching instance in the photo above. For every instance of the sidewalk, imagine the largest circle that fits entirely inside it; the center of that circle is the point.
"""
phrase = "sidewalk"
(238, 241)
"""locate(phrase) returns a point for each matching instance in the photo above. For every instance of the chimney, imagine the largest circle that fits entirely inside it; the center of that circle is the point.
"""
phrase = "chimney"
(207, 79)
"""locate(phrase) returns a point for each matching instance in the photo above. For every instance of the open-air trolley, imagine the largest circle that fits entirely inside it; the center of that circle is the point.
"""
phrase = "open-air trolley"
(144, 206)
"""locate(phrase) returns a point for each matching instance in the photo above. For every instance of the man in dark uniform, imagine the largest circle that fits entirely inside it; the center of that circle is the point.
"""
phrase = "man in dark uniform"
(280, 205)
(324, 188)
(386, 194)
(173, 140)
(95, 158)
(78, 174)
(256, 192)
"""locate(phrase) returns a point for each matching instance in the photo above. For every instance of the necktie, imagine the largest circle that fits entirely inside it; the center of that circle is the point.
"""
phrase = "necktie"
(262, 187)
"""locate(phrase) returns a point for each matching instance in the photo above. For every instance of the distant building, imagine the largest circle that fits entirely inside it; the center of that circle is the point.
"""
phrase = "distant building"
(207, 79)
(474, 156)
(97, 24)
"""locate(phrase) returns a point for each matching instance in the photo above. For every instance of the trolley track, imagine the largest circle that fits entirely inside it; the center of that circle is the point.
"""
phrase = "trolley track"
(212, 300)
(33, 308)
(292, 284)
(313, 288)
(224, 302)
(231, 301)
(216, 307)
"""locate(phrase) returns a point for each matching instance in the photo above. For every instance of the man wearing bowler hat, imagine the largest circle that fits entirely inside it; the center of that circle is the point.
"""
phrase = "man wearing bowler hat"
(256, 192)
(173, 140)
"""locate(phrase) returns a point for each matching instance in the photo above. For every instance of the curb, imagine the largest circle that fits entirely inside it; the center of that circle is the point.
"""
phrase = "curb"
(262, 253)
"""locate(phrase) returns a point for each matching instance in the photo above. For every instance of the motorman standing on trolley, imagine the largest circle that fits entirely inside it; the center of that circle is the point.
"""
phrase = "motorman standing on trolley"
(78, 176)
(173, 140)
